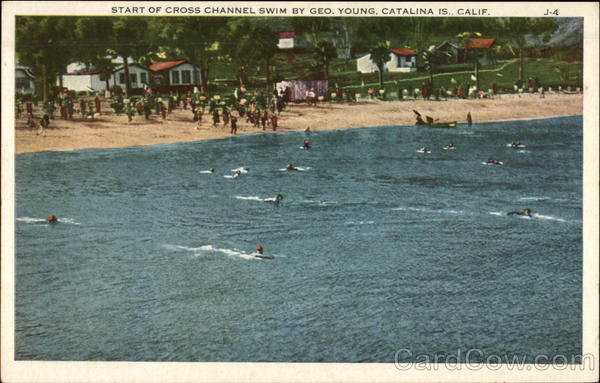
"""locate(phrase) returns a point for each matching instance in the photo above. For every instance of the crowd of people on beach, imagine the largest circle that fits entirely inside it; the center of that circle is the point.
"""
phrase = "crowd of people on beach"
(258, 110)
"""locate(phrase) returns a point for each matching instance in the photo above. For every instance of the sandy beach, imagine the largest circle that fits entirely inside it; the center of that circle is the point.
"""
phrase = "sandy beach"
(111, 131)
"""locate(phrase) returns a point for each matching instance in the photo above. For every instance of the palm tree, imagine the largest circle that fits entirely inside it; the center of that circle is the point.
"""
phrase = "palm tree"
(380, 55)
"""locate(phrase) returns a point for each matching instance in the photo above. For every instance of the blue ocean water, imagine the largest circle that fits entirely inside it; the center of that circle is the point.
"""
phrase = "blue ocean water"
(376, 247)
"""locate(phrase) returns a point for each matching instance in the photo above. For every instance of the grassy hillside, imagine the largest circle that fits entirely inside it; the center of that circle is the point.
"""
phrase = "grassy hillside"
(287, 66)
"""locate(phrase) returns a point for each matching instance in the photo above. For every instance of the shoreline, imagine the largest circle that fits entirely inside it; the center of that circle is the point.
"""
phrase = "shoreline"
(112, 131)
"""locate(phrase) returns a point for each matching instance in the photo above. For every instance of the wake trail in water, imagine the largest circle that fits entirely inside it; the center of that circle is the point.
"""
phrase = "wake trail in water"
(69, 221)
(298, 168)
(209, 249)
(534, 198)
(249, 198)
(535, 215)
(423, 210)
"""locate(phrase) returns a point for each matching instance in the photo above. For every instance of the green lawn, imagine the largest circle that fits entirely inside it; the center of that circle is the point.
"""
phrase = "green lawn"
(343, 74)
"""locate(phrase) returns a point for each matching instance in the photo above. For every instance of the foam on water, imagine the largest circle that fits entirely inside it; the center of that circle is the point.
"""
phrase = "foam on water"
(534, 198)
(209, 249)
(249, 198)
(549, 217)
(32, 220)
(299, 168)
(535, 215)
(66, 220)
(423, 210)
(206, 172)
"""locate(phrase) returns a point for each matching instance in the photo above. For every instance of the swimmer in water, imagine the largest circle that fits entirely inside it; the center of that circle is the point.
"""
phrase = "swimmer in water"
(275, 200)
(212, 170)
(52, 219)
(424, 150)
(290, 167)
(259, 250)
(307, 130)
(493, 161)
(516, 144)
(526, 212)
(450, 146)
(306, 144)
(238, 173)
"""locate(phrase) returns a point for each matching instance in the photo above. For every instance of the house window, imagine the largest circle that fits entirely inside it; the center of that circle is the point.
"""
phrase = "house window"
(133, 78)
(186, 77)
(143, 78)
(121, 78)
(175, 77)
(22, 83)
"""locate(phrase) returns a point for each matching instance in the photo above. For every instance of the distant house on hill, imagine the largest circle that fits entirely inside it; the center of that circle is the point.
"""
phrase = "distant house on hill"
(174, 74)
(401, 60)
(446, 53)
(287, 40)
(480, 48)
(24, 80)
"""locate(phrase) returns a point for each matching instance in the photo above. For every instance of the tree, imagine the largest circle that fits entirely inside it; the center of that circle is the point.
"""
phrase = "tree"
(380, 55)
(314, 28)
(473, 57)
(193, 38)
(93, 47)
(325, 51)
(46, 44)
(129, 37)
(239, 51)
(428, 56)
(261, 45)
(517, 30)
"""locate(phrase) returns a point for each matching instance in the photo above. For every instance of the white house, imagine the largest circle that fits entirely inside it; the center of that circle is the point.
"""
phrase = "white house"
(138, 77)
(24, 80)
(174, 73)
(286, 40)
(401, 60)
(78, 78)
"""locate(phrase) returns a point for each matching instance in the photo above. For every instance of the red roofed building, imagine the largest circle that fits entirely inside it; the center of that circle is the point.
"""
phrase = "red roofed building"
(478, 43)
(401, 60)
(174, 74)
(287, 40)
(478, 49)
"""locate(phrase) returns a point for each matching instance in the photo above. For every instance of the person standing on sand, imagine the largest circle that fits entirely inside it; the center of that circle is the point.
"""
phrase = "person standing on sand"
(215, 116)
(163, 110)
(147, 109)
(63, 106)
(129, 110)
(263, 119)
(29, 109)
(97, 102)
(233, 125)
(82, 105)
(274, 122)
(70, 108)
(225, 116)
(469, 119)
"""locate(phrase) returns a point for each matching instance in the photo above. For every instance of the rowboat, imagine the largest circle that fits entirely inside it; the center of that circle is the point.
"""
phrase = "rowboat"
(447, 124)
